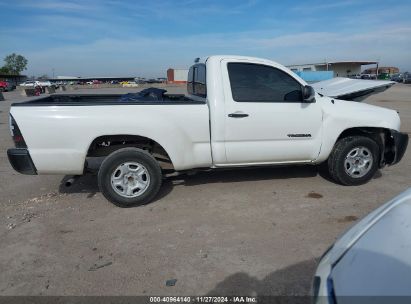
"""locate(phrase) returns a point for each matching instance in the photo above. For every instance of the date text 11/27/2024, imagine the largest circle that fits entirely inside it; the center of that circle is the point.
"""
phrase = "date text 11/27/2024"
(204, 299)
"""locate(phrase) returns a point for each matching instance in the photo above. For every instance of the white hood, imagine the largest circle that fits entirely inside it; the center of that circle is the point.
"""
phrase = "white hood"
(351, 89)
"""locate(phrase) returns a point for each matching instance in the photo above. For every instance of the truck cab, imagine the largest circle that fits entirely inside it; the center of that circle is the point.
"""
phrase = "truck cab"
(259, 109)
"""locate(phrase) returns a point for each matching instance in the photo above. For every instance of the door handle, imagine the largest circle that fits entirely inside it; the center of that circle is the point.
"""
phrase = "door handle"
(237, 115)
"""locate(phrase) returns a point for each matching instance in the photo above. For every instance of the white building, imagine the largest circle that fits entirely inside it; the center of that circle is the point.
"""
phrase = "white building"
(340, 68)
(67, 77)
(177, 75)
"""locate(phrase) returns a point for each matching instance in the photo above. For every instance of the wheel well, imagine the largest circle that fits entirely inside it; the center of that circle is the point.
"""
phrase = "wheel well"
(373, 133)
(105, 145)
(380, 135)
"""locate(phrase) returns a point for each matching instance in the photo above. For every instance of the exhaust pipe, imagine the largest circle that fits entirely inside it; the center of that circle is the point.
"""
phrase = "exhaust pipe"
(71, 180)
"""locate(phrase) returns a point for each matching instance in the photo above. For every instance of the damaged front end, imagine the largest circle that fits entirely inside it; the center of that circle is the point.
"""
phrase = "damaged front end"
(395, 144)
(394, 148)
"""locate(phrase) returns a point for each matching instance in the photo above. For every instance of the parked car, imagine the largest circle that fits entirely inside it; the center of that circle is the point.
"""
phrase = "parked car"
(36, 83)
(368, 76)
(355, 76)
(371, 262)
(384, 76)
(152, 80)
(43, 83)
(407, 78)
(240, 111)
(28, 83)
(5, 86)
(130, 84)
(397, 77)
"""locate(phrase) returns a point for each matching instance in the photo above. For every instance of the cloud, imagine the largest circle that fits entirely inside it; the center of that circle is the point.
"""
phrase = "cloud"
(310, 7)
(151, 56)
(183, 9)
(54, 5)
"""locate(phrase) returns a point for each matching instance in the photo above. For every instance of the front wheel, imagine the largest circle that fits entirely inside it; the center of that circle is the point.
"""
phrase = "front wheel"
(354, 160)
(129, 177)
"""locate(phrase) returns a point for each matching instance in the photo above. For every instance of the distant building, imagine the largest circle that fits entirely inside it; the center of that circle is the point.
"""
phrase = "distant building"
(177, 75)
(67, 77)
(340, 68)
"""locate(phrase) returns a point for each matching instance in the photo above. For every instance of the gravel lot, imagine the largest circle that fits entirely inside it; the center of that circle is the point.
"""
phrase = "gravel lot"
(248, 231)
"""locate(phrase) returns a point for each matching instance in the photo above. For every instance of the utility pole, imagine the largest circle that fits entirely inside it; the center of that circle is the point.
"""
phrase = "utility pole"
(376, 70)
(53, 72)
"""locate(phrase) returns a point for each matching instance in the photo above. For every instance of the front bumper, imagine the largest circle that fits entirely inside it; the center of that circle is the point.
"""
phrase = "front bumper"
(21, 161)
(398, 145)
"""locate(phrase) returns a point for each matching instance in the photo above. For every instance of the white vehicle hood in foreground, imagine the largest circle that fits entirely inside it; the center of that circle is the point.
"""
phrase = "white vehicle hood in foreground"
(379, 263)
(371, 259)
(351, 89)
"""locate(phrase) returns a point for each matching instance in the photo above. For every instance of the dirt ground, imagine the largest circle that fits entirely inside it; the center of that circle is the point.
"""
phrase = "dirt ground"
(248, 231)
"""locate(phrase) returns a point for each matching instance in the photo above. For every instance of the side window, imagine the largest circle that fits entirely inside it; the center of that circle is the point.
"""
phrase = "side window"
(196, 83)
(190, 81)
(260, 83)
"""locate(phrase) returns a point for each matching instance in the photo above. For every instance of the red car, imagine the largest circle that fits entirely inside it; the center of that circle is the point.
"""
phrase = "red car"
(5, 86)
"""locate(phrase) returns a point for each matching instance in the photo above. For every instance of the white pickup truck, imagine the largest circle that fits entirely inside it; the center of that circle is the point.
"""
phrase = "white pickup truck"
(239, 111)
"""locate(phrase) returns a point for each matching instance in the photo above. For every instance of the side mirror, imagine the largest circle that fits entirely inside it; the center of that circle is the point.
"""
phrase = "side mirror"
(308, 94)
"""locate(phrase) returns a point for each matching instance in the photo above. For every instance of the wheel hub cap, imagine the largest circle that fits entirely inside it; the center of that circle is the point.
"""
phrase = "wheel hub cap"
(358, 162)
(130, 179)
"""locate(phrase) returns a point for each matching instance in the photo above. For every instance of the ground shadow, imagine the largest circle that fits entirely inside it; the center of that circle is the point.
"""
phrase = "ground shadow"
(246, 174)
(292, 283)
(88, 183)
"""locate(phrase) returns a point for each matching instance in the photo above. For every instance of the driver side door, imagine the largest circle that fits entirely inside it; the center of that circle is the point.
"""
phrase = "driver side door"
(266, 119)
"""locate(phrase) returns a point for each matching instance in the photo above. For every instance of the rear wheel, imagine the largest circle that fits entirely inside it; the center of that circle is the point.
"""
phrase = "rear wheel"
(129, 177)
(354, 160)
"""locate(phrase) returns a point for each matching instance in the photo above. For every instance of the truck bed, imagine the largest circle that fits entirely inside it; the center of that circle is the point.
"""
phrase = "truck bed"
(145, 97)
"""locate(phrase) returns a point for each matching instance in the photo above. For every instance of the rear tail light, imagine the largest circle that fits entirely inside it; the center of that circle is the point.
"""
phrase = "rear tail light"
(16, 134)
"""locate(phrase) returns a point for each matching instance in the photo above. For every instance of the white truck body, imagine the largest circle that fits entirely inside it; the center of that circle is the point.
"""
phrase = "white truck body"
(240, 111)
(200, 135)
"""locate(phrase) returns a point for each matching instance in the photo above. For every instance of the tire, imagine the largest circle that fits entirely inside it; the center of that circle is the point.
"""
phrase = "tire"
(129, 177)
(354, 160)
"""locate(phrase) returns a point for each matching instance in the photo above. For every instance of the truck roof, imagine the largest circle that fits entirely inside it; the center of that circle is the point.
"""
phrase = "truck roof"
(235, 57)
(218, 58)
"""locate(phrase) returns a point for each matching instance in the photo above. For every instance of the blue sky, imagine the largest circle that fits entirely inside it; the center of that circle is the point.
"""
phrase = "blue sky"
(144, 38)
